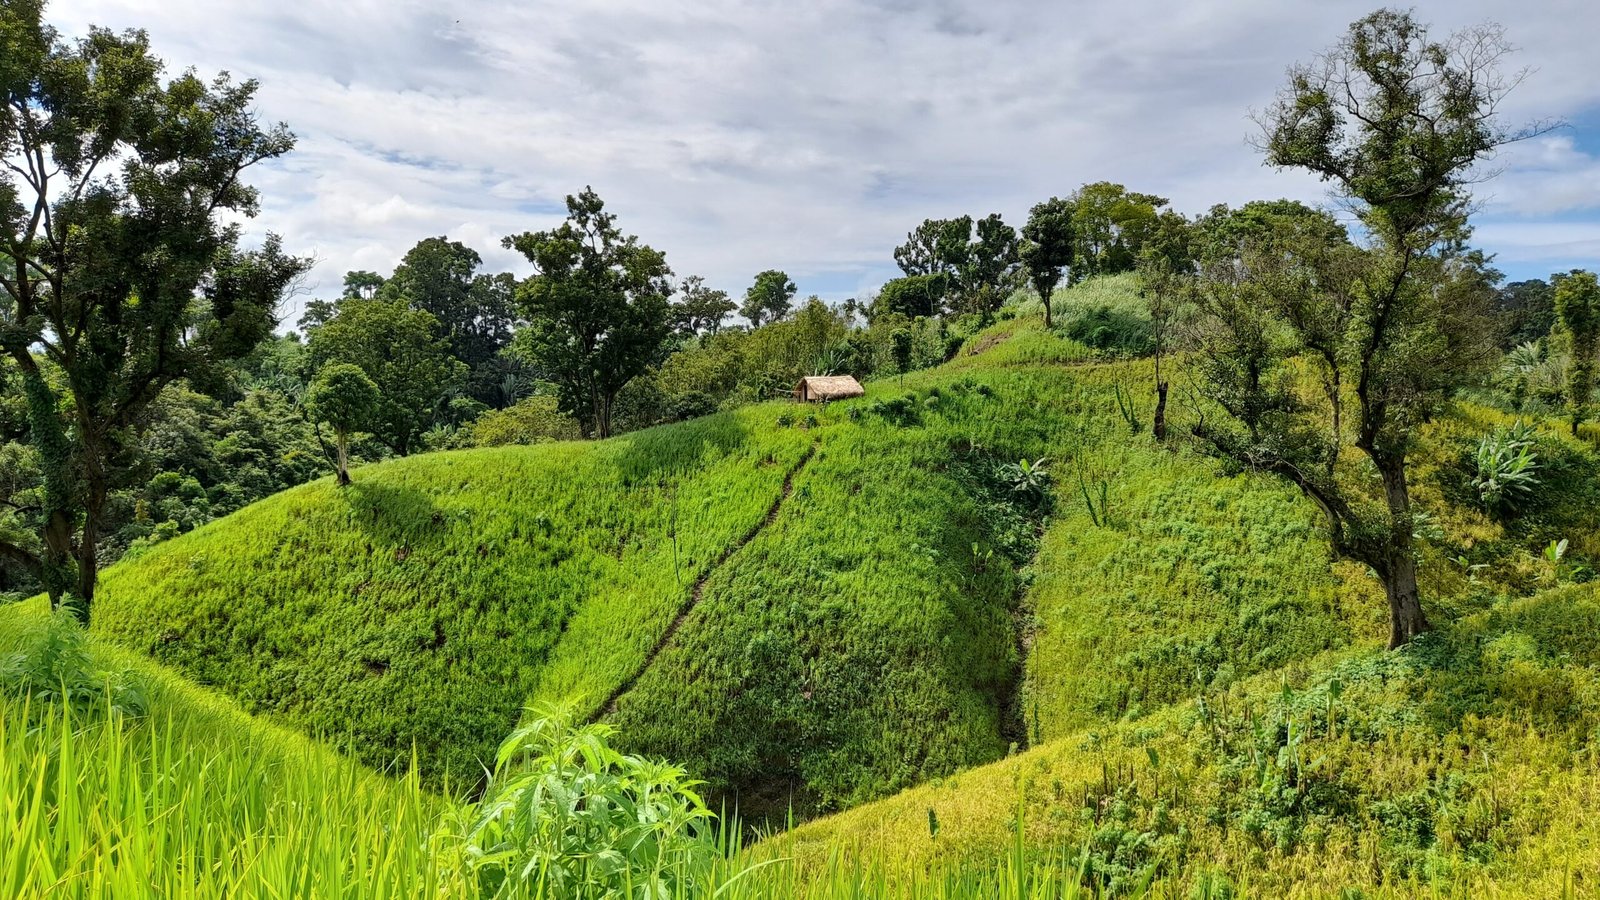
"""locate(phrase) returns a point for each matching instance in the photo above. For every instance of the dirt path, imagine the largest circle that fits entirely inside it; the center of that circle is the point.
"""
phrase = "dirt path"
(609, 708)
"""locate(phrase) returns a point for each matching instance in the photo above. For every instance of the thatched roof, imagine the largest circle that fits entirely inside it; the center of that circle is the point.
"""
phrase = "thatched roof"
(827, 387)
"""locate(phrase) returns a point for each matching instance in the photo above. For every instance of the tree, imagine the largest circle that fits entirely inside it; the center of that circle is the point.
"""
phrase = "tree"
(975, 272)
(701, 310)
(991, 265)
(1109, 226)
(317, 314)
(535, 420)
(1165, 263)
(396, 346)
(346, 399)
(596, 308)
(1527, 311)
(361, 285)
(911, 296)
(1577, 303)
(936, 246)
(769, 298)
(1047, 248)
(474, 312)
(1396, 121)
(120, 264)
(1303, 260)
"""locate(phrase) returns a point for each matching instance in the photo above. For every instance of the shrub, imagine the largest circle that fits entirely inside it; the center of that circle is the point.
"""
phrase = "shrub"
(53, 665)
(535, 420)
(1111, 330)
(1505, 467)
(566, 815)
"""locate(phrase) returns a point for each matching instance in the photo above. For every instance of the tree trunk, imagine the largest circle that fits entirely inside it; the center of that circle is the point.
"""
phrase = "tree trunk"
(56, 567)
(604, 415)
(95, 493)
(57, 564)
(342, 447)
(1044, 297)
(1160, 426)
(1335, 394)
(1406, 619)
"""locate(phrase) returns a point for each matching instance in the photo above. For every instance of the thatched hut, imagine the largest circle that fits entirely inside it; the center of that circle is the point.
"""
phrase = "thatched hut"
(822, 388)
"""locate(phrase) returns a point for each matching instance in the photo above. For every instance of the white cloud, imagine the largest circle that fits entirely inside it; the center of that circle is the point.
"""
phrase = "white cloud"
(1545, 176)
(739, 136)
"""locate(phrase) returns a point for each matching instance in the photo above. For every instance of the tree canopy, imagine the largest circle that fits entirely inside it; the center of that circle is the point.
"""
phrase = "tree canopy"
(346, 399)
(597, 309)
(769, 298)
(1577, 307)
(398, 348)
(123, 269)
(472, 312)
(1047, 249)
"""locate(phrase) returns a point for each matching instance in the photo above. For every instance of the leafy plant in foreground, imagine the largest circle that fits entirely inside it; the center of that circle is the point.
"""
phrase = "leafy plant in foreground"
(567, 815)
(53, 665)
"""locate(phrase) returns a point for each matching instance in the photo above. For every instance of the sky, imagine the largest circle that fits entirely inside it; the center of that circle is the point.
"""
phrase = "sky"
(810, 137)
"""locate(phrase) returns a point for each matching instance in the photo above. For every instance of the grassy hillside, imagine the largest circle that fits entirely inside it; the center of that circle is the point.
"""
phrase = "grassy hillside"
(419, 608)
(196, 798)
(1217, 716)
(821, 606)
(849, 573)
(807, 607)
(1462, 765)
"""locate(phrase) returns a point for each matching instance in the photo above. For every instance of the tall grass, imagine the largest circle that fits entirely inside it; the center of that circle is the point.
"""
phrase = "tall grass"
(100, 805)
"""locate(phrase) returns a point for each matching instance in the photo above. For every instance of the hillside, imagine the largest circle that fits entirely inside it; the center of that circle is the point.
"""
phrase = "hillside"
(807, 607)
(1213, 711)
(817, 607)
(842, 562)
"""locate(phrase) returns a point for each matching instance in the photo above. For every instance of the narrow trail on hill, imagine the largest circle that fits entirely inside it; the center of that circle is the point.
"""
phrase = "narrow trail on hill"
(609, 708)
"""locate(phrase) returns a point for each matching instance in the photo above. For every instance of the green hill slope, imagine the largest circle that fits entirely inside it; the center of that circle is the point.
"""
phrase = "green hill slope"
(819, 607)
(805, 606)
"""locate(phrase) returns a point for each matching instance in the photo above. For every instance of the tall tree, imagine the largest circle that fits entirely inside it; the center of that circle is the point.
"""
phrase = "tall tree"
(936, 246)
(119, 199)
(596, 306)
(700, 309)
(1109, 226)
(975, 271)
(316, 314)
(1527, 311)
(361, 285)
(398, 348)
(911, 296)
(1166, 261)
(1395, 120)
(988, 274)
(1047, 249)
(346, 399)
(474, 312)
(1577, 303)
(769, 298)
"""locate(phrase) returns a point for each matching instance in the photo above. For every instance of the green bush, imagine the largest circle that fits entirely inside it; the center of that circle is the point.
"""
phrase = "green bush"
(566, 815)
(1111, 331)
(1506, 468)
(52, 665)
